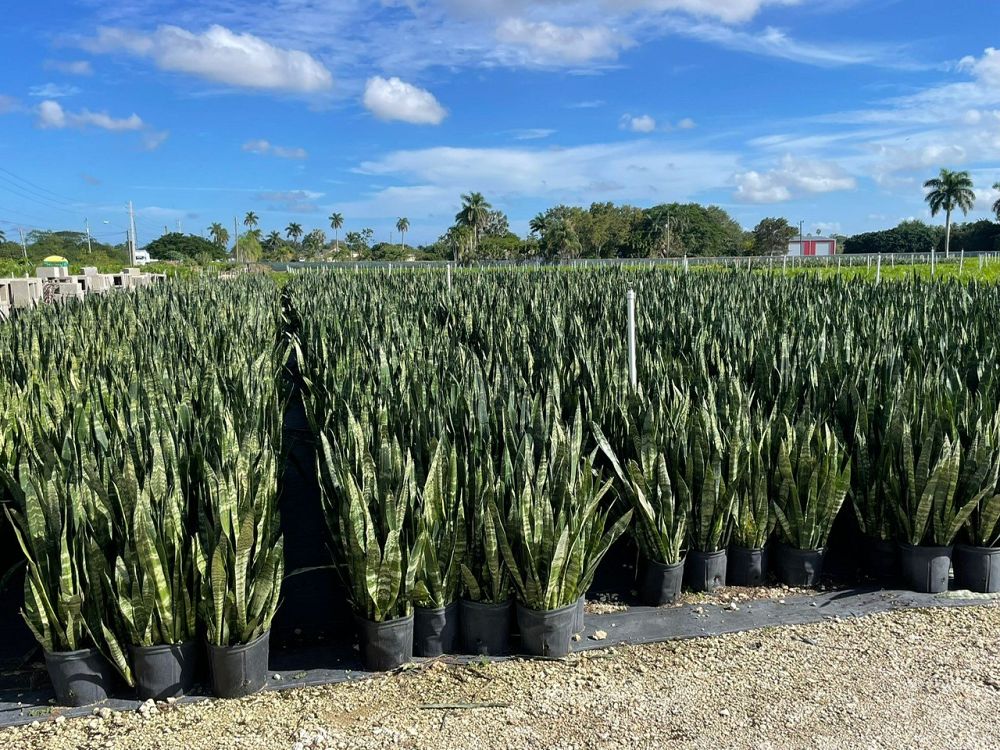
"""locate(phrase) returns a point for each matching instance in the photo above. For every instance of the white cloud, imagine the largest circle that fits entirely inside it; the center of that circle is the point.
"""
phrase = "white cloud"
(532, 134)
(393, 99)
(53, 91)
(637, 124)
(793, 178)
(637, 170)
(221, 55)
(292, 201)
(52, 116)
(546, 43)
(70, 67)
(264, 148)
(686, 124)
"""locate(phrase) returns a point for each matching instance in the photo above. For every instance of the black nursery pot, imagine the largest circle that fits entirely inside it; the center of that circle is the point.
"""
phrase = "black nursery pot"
(881, 559)
(661, 583)
(239, 670)
(746, 566)
(800, 567)
(80, 678)
(435, 630)
(485, 627)
(925, 569)
(166, 671)
(578, 624)
(546, 633)
(705, 571)
(977, 568)
(385, 645)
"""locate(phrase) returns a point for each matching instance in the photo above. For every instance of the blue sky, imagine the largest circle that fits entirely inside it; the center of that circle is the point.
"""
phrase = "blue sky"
(832, 112)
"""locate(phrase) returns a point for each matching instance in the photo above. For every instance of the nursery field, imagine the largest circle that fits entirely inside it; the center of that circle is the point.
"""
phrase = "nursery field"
(479, 446)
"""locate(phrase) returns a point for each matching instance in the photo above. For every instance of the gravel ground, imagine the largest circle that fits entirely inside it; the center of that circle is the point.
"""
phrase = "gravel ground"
(909, 679)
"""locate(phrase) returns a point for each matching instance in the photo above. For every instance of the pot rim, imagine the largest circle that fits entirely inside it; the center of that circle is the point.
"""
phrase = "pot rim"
(984, 551)
(941, 549)
(487, 605)
(239, 647)
(569, 608)
(667, 566)
(435, 610)
(159, 647)
(706, 555)
(790, 548)
(395, 621)
(80, 653)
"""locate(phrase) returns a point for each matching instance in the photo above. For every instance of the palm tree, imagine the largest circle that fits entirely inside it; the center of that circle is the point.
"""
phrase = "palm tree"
(250, 220)
(273, 241)
(403, 226)
(948, 191)
(294, 231)
(996, 206)
(538, 225)
(336, 222)
(3, 237)
(474, 214)
(220, 235)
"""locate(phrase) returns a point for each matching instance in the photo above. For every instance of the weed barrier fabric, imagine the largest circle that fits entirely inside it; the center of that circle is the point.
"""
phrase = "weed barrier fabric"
(22, 704)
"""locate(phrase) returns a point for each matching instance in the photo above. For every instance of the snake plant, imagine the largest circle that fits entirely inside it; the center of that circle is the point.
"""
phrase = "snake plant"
(558, 532)
(369, 506)
(814, 476)
(659, 517)
(440, 522)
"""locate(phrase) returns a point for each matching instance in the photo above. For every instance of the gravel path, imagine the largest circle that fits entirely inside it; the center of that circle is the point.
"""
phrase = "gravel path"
(913, 679)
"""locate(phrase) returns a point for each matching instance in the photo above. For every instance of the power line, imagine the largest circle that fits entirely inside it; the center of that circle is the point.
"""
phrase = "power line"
(35, 185)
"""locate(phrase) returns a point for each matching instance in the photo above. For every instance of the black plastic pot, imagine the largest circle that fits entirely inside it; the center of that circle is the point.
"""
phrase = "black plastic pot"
(485, 627)
(977, 568)
(746, 567)
(925, 569)
(800, 567)
(239, 670)
(705, 571)
(435, 630)
(881, 559)
(167, 671)
(385, 645)
(80, 678)
(661, 583)
(546, 633)
(578, 624)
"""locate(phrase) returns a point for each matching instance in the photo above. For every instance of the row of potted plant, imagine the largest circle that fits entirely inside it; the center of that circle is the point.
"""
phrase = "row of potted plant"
(144, 495)
(460, 551)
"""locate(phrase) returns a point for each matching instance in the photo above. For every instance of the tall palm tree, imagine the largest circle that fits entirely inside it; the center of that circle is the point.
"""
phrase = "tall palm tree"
(3, 237)
(273, 241)
(220, 235)
(474, 214)
(948, 191)
(294, 231)
(996, 206)
(336, 222)
(251, 220)
(403, 226)
(538, 224)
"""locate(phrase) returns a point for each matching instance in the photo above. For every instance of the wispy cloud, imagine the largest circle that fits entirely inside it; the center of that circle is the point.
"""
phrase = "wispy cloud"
(70, 67)
(266, 148)
(53, 91)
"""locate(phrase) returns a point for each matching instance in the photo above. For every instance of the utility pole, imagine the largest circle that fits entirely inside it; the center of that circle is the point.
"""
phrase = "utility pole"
(236, 244)
(132, 240)
(801, 249)
(24, 251)
(87, 224)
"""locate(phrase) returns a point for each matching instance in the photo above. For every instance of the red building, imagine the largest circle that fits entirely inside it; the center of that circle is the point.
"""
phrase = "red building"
(811, 245)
